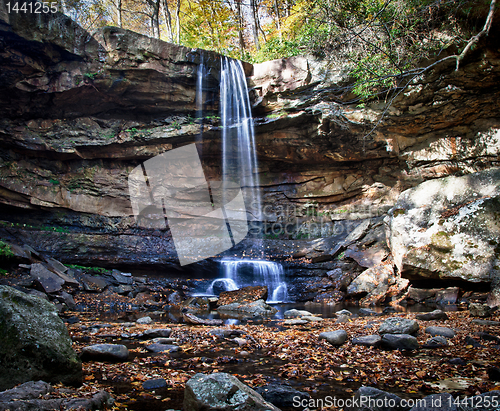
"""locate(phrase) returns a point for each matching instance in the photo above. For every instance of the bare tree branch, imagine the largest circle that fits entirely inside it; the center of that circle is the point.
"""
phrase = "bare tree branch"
(483, 33)
(417, 72)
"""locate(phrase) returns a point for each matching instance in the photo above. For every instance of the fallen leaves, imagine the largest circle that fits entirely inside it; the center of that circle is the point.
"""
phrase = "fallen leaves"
(291, 354)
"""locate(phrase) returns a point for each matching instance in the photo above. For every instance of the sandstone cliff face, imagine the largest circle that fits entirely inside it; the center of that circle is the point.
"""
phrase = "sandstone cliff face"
(80, 112)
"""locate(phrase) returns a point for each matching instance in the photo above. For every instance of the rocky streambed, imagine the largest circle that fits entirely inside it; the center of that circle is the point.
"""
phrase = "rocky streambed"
(143, 356)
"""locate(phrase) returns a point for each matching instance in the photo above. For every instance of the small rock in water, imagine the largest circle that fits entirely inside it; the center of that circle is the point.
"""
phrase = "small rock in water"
(293, 313)
(226, 332)
(144, 320)
(480, 310)
(457, 361)
(436, 342)
(400, 341)
(433, 315)
(373, 340)
(342, 319)
(162, 340)
(344, 312)
(397, 325)
(282, 395)
(162, 348)
(295, 321)
(486, 322)
(122, 278)
(72, 320)
(443, 331)
(156, 332)
(473, 342)
(311, 318)
(487, 337)
(240, 341)
(224, 392)
(154, 384)
(389, 310)
(335, 338)
(105, 352)
(366, 312)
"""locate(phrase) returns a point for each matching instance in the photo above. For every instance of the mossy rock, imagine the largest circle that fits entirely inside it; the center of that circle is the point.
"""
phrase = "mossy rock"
(449, 229)
(34, 342)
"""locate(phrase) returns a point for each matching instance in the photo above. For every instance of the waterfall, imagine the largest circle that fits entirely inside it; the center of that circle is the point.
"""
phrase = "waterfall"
(239, 167)
(244, 273)
(239, 159)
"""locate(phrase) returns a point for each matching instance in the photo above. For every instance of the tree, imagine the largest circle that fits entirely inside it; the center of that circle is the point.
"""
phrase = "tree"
(178, 22)
(154, 7)
(256, 25)
(119, 11)
(211, 25)
(168, 21)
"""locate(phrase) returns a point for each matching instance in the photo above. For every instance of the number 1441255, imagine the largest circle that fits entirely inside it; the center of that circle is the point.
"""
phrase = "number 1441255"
(32, 7)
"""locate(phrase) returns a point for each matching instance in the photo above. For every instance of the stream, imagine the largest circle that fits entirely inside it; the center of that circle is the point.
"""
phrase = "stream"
(260, 366)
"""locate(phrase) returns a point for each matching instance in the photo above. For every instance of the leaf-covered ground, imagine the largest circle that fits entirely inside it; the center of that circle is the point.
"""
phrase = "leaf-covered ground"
(272, 352)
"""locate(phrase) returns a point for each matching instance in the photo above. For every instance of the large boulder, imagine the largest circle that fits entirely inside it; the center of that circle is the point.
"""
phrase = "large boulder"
(34, 342)
(448, 228)
(374, 282)
(222, 392)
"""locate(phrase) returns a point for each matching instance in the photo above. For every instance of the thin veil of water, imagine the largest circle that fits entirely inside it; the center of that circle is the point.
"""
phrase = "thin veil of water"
(239, 166)
(239, 159)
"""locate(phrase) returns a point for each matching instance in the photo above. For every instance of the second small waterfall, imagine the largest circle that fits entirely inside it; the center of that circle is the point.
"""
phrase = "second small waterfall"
(244, 273)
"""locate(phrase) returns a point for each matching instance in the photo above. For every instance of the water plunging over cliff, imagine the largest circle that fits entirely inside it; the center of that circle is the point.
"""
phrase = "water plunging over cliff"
(239, 165)
(239, 159)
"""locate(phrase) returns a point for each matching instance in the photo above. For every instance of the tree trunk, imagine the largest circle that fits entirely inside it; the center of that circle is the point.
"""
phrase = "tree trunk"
(278, 23)
(119, 13)
(178, 22)
(168, 21)
(288, 7)
(241, 38)
(156, 18)
(255, 16)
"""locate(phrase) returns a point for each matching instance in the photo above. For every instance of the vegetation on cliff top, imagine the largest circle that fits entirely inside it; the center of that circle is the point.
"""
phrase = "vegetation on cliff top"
(374, 39)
